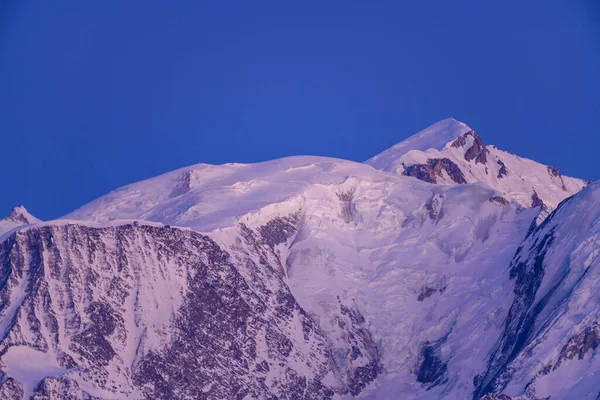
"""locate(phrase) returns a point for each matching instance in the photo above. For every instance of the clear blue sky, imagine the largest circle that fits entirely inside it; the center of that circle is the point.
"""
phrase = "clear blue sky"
(98, 94)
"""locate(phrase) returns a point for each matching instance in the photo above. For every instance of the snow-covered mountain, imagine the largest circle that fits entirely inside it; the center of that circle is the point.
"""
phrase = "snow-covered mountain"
(18, 217)
(312, 278)
(451, 153)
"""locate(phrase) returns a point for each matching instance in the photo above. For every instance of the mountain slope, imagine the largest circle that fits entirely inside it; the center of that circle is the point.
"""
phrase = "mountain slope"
(464, 158)
(553, 327)
(154, 312)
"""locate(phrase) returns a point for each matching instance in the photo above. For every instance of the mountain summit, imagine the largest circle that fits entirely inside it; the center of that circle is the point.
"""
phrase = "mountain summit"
(451, 153)
(19, 216)
(435, 137)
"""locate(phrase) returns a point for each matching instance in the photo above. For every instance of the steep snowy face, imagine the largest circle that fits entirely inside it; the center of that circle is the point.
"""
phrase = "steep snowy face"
(140, 311)
(548, 346)
(464, 158)
(19, 216)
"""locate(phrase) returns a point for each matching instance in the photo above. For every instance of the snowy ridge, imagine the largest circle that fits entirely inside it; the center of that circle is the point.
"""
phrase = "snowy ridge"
(207, 197)
(434, 137)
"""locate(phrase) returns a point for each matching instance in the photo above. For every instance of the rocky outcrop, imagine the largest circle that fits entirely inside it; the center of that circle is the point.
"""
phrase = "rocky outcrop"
(435, 207)
(60, 388)
(348, 211)
(426, 292)
(536, 201)
(10, 389)
(505, 397)
(579, 345)
(496, 397)
(280, 229)
(182, 185)
(501, 396)
(362, 361)
(554, 172)
(432, 370)
(261, 243)
(499, 200)
(219, 329)
(502, 171)
(433, 169)
(477, 151)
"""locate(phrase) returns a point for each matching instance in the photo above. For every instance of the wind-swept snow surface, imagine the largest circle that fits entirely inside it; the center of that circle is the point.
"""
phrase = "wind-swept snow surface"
(311, 278)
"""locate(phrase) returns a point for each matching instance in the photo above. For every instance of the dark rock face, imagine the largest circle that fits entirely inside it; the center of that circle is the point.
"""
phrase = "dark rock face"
(503, 171)
(279, 230)
(60, 388)
(94, 299)
(432, 370)
(460, 141)
(496, 397)
(361, 347)
(362, 376)
(493, 396)
(499, 200)
(579, 345)
(221, 322)
(435, 207)
(183, 184)
(433, 169)
(425, 293)
(357, 362)
(536, 201)
(553, 171)
(92, 344)
(263, 241)
(348, 212)
(11, 390)
(477, 151)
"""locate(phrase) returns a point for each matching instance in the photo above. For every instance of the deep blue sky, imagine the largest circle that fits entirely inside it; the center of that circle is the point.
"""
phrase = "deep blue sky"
(98, 94)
